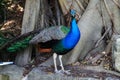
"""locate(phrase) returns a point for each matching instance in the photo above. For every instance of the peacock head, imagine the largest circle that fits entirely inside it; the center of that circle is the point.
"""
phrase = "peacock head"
(74, 14)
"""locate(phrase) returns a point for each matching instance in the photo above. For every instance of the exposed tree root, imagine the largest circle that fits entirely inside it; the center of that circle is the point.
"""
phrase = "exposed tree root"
(116, 2)
(79, 70)
(93, 58)
(86, 71)
(100, 69)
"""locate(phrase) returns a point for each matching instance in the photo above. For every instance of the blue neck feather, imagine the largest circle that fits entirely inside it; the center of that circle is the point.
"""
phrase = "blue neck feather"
(72, 37)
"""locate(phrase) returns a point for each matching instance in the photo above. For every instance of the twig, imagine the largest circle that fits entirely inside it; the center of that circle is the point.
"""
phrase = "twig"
(102, 37)
(11, 27)
(86, 1)
(109, 12)
(5, 14)
(106, 52)
(116, 3)
(1, 25)
(103, 20)
(57, 12)
(80, 4)
(42, 19)
(94, 59)
(63, 5)
(111, 17)
(51, 17)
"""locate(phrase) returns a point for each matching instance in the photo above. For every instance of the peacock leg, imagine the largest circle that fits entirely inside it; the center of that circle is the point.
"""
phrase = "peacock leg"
(61, 64)
(55, 65)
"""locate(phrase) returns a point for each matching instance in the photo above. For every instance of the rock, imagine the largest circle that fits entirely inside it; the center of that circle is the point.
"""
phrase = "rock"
(14, 72)
(4, 77)
(116, 52)
(37, 74)
(110, 78)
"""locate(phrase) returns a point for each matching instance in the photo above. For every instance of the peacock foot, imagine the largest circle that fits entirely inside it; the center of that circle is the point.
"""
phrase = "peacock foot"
(59, 72)
(63, 72)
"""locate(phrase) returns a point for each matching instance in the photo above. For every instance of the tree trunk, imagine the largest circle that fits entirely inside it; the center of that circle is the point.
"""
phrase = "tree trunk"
(87, 26)
(29, 21)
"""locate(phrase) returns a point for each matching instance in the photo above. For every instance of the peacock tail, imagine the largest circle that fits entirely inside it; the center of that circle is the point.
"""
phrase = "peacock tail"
(3, 40)
(19, 45)
(47, 34)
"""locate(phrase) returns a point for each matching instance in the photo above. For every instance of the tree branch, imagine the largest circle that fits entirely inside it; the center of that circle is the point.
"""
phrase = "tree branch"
(116, 3)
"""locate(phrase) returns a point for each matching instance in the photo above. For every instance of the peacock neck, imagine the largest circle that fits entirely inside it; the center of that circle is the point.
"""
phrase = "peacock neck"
(73, 36)
(74, 27)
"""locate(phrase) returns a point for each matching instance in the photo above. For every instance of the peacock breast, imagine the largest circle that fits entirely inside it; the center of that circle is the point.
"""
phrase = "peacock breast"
(71, 41)
(72, 37)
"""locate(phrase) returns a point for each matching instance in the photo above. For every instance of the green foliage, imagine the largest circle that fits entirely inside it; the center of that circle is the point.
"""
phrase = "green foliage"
(19, 45)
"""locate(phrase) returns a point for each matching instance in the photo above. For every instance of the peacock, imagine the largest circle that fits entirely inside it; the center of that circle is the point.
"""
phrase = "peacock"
(66, 41)
(58, 40)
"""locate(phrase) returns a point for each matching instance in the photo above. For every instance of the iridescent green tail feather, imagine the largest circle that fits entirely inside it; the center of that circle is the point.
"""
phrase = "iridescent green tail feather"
(3, 40)
(19, 45)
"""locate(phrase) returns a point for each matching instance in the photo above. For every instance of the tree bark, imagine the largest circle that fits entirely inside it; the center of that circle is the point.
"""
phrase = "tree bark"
(87, 26)
(28, 24)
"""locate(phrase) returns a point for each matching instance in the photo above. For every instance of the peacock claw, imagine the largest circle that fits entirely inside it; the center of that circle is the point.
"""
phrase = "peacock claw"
(63, 72)
(58, 72)
(66, 72)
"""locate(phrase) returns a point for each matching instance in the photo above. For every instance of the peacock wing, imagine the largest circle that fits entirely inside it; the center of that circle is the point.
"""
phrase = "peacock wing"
(51, 33)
